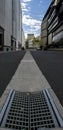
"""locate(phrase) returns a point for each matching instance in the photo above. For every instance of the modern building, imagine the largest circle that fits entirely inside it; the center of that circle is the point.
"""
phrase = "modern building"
(5, 24)
(30, 44)
(53, 30)
(19, 25)
(44, 32)
(55, 24)
(30, 38)
(10, 24)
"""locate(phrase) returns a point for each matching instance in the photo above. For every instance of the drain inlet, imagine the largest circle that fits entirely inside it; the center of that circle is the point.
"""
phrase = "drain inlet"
(30, 111)
(2, 113)
(56, 112)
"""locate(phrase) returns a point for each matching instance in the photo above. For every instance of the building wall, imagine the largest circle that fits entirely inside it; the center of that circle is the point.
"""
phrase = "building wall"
(30, 36)
(8, 23)
(55, 24)
(50, 39)
(11, 22)
(52, 25)
(2, 23)
(23, 39)
(2, 13)
(14, 24)
(19, 24)
(30, 44)
(44, 32)
(14, 19)
(58, 35)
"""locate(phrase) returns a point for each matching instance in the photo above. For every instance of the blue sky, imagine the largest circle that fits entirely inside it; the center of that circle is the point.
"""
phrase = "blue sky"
(33, 12)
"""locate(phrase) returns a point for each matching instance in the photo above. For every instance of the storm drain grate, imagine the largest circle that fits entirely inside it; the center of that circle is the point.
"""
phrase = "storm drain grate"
(29, 111)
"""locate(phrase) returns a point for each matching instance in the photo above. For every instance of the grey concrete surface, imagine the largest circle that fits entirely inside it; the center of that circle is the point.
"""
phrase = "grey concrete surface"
(28, 77)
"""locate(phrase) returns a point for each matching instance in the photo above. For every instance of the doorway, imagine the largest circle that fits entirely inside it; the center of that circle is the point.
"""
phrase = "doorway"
(1, 39)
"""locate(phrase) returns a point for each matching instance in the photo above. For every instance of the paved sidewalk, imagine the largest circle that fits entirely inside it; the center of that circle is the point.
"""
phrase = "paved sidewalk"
(28, 77)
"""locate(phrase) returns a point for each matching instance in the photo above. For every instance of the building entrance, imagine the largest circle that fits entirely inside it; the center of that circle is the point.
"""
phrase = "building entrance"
(1, 39)
(13, 43)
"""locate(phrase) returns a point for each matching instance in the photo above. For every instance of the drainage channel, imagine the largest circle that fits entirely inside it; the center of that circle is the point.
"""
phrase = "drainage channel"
(30, 111)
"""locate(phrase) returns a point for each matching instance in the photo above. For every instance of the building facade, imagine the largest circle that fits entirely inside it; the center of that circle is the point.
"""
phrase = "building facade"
(19, 25)
(44, 32)
(5, 24)
(23, 39)
(30, 38)
(10, 24)
(54, 22)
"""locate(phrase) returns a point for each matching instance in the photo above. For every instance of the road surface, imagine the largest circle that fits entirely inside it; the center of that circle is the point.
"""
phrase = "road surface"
(51, 65)
(49, 62)
(9, 62)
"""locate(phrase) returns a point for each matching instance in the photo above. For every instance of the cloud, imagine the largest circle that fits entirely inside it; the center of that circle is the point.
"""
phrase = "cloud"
(26, 0)
(32, 24)
(23, 5)
(25, 8)
(29, 21)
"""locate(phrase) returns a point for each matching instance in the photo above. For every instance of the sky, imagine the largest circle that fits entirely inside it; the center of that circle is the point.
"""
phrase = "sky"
(33, 12)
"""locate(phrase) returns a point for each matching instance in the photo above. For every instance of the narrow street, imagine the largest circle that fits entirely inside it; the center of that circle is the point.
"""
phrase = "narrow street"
(29, 99)
(49, 62)
(31, 65)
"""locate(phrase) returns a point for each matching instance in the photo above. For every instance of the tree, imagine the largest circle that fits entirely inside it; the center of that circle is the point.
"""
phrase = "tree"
(26, 44)
(36, 41)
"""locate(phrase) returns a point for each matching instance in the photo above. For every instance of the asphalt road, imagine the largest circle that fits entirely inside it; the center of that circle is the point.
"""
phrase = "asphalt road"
(51, 65)
(9, 62)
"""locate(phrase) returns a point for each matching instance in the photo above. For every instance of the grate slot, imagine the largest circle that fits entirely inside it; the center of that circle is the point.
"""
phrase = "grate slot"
(18, 115)
(56, 112)
(2, 113)
(27, 111)
(39, 111)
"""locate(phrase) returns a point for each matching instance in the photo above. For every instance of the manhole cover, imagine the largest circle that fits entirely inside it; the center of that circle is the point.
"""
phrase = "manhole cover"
(28, 111)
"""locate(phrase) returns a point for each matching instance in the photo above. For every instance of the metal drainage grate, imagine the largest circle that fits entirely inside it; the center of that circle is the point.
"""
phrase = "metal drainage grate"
(29, 111)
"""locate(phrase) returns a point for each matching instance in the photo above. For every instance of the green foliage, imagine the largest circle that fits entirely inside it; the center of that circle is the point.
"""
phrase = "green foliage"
(26, 44)
(36, 41)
